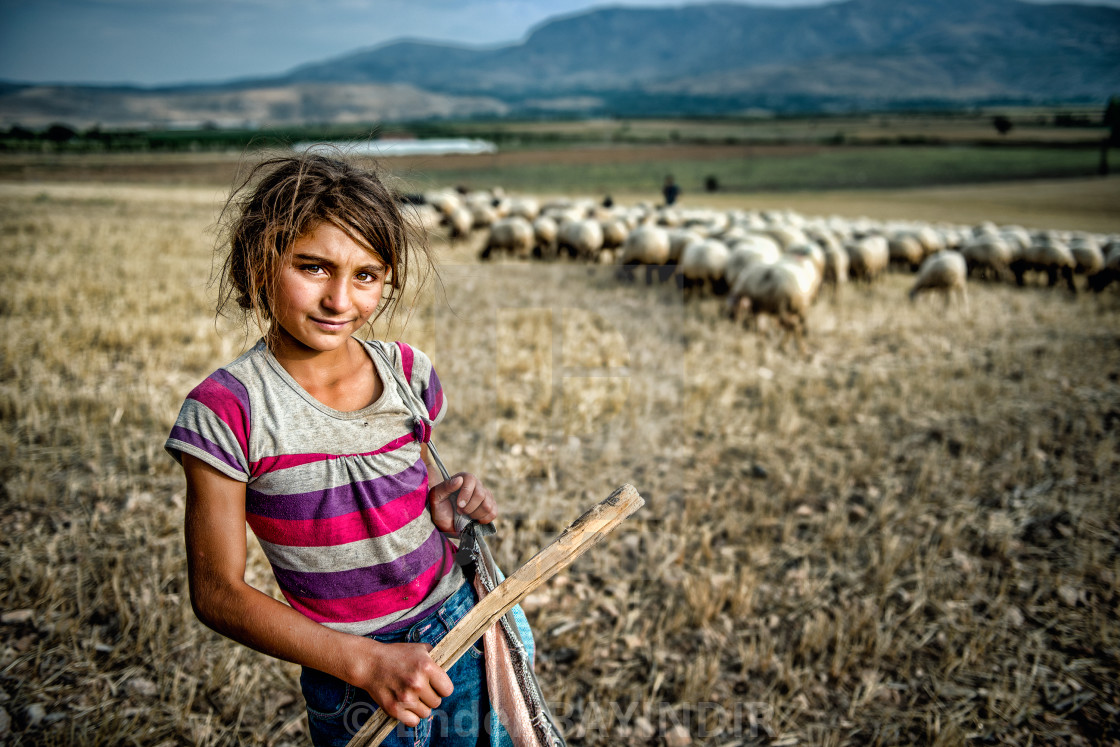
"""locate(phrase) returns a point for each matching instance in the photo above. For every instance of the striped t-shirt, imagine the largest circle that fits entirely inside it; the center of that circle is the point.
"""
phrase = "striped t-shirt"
(337, 499)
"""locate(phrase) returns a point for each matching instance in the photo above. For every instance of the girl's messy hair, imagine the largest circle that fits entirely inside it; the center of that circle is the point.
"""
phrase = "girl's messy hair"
(286, 197)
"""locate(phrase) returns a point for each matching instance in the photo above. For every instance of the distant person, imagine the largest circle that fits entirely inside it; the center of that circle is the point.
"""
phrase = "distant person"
(670, 190)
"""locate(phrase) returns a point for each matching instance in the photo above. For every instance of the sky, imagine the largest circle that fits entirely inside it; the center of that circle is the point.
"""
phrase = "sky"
(157, 42)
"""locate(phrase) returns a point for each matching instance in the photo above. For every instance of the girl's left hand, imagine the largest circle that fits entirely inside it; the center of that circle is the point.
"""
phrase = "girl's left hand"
(473, 499)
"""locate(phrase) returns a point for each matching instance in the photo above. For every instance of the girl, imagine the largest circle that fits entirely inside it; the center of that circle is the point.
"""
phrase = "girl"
(307, 438)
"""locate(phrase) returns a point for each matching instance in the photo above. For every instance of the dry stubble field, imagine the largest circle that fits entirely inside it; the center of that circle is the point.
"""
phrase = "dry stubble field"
(907, 536)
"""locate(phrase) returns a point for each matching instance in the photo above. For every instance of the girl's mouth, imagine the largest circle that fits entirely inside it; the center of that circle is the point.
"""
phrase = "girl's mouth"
(331, 324)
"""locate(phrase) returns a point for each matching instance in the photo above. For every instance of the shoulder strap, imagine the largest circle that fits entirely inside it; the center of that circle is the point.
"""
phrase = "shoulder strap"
(467, 528)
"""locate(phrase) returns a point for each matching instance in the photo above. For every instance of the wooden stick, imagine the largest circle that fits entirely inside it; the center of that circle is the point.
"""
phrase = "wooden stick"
(577, 539)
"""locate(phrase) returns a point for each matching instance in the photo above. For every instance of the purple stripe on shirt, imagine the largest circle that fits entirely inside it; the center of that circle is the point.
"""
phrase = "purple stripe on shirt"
(187, 436)
(353, 583)
(433, 395)
(338, 501)
(230, 382)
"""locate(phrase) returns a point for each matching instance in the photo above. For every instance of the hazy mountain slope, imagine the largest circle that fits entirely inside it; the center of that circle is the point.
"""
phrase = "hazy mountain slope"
(715, 58)
(950, 48)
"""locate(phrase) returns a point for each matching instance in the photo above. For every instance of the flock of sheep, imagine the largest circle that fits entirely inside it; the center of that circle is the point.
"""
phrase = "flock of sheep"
(771, 262)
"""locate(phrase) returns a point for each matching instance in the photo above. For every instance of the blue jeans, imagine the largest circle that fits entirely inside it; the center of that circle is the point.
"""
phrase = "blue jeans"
(336, 709)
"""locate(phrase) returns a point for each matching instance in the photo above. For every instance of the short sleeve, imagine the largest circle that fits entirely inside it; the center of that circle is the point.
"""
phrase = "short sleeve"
(421, 376)
(213, 425)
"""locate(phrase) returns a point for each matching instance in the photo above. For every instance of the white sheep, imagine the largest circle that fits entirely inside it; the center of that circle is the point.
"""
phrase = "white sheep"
(648, 246)
(906, 250)
(513, 236)
(583, 239)
(944, 272)
(679, 238)
(784, 290)
(704, 265)
(867, 257)
(545, 231)
(1047, 254)
(615, 231)
(461, 221)
(753, 249)
(988, 255)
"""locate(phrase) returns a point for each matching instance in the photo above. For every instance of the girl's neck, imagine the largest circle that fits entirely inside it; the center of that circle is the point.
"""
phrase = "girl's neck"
(344, 379)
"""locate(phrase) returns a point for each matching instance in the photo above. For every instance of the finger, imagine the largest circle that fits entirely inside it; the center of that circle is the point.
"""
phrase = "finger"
(439, 500)
(441, 684)
(479, 504)
(442, 491)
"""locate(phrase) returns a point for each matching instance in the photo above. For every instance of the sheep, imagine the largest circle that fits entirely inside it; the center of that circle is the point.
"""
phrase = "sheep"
(583, 239)
(704, 264)
(615, 231)
(1110, 273)
(988, 256)
(784, 289)
(482, 215)
(461, 221)
(751, 250)
(906, 250)
(944, 272)
(646, 245)
(545, 230)
(835, 267)
(511, 235)
(679, 238)
(867, 257)
(523, 207)
(1046, 254)
(1087, 255)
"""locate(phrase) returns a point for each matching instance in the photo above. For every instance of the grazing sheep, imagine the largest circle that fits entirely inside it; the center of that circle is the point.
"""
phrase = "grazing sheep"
(1110, 273)
(483, 215)
(615, 231)
(751, 250)
(867, 257)
(811, 251)
(679, 238)
(988, 256)
(1087, 255)
(646, 245)
(784, 289)
(906, 250)
(460, 222)
(523, 207)
(835, 267)
(444, 202)
(1049, 255)
(545, 230)
(513, 236)
(704, 265)
(944, 272)
(582, 239)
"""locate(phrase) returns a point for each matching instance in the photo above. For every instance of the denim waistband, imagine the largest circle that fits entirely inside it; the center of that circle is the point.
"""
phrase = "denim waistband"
(446, 615)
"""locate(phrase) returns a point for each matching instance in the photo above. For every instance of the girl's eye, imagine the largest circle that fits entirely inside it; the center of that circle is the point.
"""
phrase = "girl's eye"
(313, 269)
(367, 277)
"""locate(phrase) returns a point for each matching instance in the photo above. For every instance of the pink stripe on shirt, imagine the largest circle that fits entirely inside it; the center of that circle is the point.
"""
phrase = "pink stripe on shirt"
(284, 461)
(224, 403)
(376, 604)
(406, 361)
(376, 521)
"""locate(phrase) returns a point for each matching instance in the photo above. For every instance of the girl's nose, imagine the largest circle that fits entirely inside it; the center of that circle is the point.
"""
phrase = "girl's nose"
(337, 297)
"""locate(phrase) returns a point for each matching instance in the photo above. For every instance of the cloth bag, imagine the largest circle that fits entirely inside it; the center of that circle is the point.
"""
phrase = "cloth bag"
(519, 715)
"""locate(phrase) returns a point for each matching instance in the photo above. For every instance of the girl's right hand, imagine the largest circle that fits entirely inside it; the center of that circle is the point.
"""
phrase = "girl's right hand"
(400, 677)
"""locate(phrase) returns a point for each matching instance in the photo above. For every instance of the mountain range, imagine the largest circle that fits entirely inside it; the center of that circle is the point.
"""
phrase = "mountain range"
(717, 58)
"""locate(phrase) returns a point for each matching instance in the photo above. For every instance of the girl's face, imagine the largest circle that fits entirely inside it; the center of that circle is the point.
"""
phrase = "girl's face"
(327, 291)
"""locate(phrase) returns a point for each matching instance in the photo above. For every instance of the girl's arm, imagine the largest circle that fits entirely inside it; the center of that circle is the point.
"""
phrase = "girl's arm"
(401, 677)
